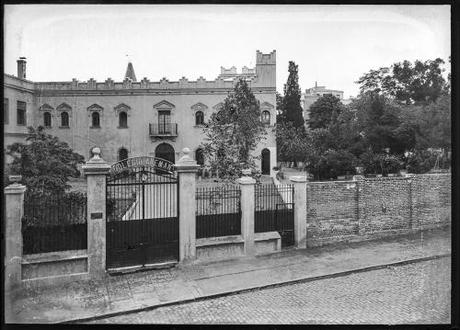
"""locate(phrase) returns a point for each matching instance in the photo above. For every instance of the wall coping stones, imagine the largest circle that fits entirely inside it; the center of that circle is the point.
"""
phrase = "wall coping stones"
(54, 256)
(298, 179)
(266, 236)
(222, 240)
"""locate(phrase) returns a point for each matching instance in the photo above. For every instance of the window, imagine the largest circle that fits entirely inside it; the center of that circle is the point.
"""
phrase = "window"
(64, 119)
(199, 157)
(266, 117)
(6, 111)
(199, 118)
(123, 120)
(21, 113)
(220, 154)
(164, 122)
(122, 154)
(95, 119)
(47, 119)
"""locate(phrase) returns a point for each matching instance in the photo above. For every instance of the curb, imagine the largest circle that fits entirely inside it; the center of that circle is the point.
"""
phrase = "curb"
(259, 287)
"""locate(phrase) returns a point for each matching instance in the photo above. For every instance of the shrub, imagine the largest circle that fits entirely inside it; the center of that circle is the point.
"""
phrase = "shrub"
(421, 161)
(377, 163)
(332, 164)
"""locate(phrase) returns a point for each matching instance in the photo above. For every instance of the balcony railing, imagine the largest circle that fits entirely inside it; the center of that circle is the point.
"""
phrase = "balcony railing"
(163, 129)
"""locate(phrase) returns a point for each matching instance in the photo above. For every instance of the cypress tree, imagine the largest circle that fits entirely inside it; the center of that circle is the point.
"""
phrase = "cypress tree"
(292, 110)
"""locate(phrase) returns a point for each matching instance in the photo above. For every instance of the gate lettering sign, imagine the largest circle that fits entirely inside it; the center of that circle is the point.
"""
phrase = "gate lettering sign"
(157, 163)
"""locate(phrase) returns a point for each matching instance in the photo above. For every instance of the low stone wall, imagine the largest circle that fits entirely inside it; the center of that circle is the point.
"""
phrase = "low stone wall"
(379, 207)
(268, 242)
(229, 247)
(219, 248)
(55, 266)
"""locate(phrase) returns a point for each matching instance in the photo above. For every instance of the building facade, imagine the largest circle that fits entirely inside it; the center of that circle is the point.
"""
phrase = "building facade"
(312, 94)
(133, 118)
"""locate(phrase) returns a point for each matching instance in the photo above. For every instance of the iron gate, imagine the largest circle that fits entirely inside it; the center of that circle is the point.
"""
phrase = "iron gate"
(142, 213)
(274, 211)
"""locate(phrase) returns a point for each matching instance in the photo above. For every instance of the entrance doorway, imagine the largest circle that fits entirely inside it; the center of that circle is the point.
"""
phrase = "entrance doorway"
(265, 161)
(166, 152)
(142, 222)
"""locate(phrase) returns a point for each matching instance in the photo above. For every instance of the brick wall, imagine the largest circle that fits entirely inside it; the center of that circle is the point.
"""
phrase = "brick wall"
(377, 207)
(431, 201)
(331, 209)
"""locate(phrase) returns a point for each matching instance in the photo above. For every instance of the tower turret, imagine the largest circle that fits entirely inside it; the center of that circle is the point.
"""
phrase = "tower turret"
(130, 72)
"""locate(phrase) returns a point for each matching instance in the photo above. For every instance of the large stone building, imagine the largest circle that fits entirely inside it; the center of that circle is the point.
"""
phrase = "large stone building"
(312, 94)
(131, 117)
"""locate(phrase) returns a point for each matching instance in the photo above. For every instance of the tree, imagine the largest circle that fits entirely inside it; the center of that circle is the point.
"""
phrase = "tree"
(325, 112)
(432, 123)
(291, 110)
(45, 162)
(279, 108)
(419, 83)
(380, 124)
(233, 133)
(292, 142)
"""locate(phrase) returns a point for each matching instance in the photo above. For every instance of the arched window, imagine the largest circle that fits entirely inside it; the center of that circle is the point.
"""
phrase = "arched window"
(199, 118)
(95, 119)
(47, 119)
(123, 120)
(266, 117)
(165, 151)
(199, 157)
(122, 154)
(64, 119)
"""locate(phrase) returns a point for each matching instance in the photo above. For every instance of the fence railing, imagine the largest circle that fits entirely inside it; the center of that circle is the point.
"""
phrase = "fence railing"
(54, 223)
(218, 211)
(272, 204)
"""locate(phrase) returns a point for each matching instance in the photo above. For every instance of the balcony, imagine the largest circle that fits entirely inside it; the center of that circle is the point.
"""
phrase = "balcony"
(159, 130)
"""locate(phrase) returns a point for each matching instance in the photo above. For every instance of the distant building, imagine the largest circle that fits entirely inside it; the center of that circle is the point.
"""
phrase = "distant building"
(133, 118)
(312, 94)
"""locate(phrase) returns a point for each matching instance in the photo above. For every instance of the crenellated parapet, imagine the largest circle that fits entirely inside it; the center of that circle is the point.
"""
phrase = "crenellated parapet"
(265, 58)
(144, 84)
(258, 77)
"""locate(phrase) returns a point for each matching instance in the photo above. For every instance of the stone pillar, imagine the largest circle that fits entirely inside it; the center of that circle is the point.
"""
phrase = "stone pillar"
(247, 211)
(360, 203)
(186, 169)
(411, 201)
(14, 210)
(300, 211)
(95, 171)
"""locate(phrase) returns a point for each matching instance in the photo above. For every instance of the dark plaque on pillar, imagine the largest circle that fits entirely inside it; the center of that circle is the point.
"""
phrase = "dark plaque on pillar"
(96, 215)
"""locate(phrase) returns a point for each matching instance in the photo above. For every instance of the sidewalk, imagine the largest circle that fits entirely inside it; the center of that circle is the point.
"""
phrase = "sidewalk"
(142, 290)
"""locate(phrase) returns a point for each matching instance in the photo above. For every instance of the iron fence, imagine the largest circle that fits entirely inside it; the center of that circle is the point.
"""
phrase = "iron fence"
(273, 208)
(54, 223)
(218, 211)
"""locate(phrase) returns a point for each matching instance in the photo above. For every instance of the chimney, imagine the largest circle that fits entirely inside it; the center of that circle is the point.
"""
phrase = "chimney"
(316, 84)
(22, 68)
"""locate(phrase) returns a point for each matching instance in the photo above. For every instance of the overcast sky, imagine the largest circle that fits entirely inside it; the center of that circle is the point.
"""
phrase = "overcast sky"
(332, 44)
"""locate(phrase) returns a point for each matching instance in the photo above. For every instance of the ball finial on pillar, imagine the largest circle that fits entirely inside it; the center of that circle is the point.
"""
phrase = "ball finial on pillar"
(186, 159)
(246, 172)
(96, 152)
(15, 179)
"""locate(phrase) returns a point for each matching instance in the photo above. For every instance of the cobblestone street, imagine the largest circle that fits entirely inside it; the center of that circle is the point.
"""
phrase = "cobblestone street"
(415, 293)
